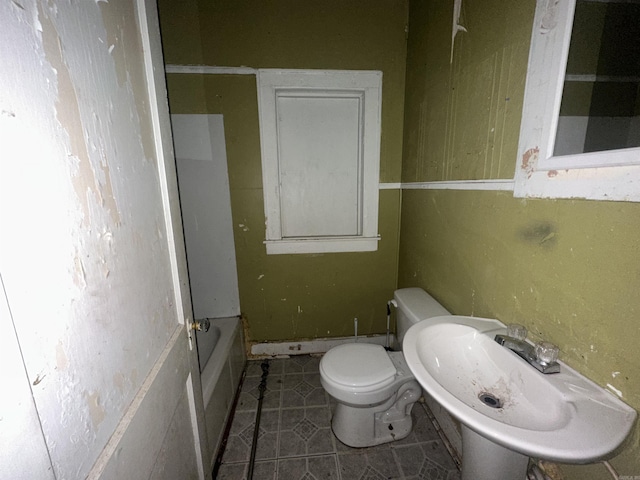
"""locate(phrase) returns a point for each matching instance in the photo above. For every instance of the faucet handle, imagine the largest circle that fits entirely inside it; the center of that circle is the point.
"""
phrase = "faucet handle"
(546, 352)
(516, 331)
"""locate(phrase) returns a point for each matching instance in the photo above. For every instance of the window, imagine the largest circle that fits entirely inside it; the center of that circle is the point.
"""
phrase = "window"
(320, 142)
(604, 174)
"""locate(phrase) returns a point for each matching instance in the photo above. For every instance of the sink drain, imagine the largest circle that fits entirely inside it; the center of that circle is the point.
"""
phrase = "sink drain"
(490, 400)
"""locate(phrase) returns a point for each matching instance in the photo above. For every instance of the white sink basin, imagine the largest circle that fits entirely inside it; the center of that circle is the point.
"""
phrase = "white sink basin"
(562, 417)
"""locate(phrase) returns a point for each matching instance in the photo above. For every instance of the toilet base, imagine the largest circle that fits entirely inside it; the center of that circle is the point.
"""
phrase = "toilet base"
(369, 426)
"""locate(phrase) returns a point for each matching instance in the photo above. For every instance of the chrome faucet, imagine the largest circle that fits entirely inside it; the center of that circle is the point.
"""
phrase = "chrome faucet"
(542, 356)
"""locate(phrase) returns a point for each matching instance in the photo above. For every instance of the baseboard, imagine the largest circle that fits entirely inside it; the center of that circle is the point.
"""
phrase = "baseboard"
(315, 346)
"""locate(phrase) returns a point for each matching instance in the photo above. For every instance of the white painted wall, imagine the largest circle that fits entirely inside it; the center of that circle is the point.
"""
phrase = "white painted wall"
(201, 158)
(92, 268)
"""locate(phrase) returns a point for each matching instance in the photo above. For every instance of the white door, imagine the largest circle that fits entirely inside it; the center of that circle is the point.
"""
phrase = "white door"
(92, 258)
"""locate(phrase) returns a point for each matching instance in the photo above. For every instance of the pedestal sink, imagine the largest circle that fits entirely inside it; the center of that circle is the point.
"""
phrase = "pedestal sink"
(510, 411)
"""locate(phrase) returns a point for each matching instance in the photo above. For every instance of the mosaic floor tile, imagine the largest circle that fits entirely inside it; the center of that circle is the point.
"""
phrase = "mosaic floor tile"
(238, 471)
(370, 464)
(305, 431)
(432, 471)
(295, 441)
(303, 389)
(308, 468)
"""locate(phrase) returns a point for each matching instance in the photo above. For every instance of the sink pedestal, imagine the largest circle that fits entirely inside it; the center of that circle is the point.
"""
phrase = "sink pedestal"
(483, 459)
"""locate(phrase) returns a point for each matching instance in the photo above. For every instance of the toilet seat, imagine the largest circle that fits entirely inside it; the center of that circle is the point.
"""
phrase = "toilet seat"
(358, 367)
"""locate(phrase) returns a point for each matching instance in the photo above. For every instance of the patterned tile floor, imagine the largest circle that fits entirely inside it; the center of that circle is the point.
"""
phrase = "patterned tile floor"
(295, 441)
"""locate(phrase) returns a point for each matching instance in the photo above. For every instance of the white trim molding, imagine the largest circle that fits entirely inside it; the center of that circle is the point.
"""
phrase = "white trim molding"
(209, 70)
(490, 185)
(322, 245)
(320, 149)
(608, 175)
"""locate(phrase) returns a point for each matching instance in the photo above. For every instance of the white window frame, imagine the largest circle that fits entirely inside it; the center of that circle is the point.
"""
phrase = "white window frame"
(365, 84)
(608, 175)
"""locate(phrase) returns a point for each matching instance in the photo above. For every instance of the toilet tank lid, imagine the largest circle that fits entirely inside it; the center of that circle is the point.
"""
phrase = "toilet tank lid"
(418, 304)
(358, 365)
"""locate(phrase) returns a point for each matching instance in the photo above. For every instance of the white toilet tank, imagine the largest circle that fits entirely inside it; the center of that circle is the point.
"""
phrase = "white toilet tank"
(414, 304)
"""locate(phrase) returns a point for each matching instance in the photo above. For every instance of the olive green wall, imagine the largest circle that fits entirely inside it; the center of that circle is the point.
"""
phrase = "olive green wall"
(569, 270)
(287, 297)
(482, 88)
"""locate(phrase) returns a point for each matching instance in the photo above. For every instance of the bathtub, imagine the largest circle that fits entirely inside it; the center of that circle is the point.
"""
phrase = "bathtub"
(222, 358)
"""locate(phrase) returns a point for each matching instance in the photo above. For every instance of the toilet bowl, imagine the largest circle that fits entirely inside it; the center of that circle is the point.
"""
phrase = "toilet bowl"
(375, 392)
(374, 389)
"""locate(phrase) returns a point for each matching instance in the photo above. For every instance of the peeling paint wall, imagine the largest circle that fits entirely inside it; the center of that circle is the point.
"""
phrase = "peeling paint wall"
(83, 254)
(285, 297)
(483, 87)
(566, 269)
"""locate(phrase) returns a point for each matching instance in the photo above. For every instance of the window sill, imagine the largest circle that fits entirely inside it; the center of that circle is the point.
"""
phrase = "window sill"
(322, 245)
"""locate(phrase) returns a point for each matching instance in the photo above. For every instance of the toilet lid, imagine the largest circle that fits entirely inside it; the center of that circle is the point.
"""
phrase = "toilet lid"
(358, 365)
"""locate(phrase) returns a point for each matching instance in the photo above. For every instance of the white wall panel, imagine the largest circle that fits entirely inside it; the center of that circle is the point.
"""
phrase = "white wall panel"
(206, 212)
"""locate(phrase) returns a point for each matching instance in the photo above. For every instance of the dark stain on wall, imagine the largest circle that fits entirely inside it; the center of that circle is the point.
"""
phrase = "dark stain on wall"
(541, 233)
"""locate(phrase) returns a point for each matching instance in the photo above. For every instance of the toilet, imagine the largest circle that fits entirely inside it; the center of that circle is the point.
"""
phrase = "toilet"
(374, 389)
